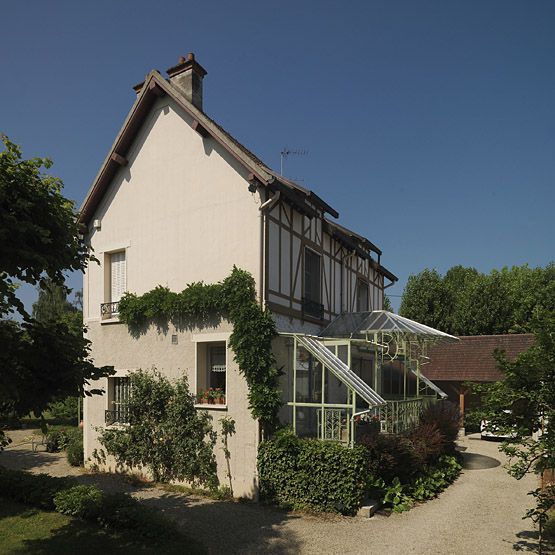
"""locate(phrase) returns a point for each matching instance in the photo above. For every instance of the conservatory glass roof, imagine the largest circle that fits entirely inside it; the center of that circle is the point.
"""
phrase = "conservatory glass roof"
(340, 370)
(353, 324)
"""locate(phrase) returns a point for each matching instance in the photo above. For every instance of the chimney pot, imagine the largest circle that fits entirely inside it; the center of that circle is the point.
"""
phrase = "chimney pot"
(187, 77)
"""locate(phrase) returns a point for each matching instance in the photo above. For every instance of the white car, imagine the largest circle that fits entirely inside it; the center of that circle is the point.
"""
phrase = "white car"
(488, 431)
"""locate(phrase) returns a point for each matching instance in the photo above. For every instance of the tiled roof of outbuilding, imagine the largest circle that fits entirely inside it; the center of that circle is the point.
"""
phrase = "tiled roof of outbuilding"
(471, 359)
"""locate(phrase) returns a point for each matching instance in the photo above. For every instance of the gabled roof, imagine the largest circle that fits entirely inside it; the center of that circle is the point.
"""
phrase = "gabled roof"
(471, 358)
(155, 86)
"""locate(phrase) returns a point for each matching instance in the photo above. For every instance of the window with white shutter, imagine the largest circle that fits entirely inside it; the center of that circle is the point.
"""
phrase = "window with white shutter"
(118, 273)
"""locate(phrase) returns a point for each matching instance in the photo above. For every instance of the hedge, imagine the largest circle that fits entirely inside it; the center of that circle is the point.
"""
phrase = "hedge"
(312, 474)
(118, 510)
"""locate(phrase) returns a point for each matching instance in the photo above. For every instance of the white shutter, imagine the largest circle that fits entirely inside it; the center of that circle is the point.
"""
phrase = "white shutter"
(117, 276)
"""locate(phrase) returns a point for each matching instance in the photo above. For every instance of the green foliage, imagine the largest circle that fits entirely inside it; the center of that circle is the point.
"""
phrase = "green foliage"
(39, 233)
(118, 510)
(41, 360)
(121, 511)
(75, 453)
(64, 409)
(312, 474)
(79, 501)
(199, 304)
(33, 489)
(523, 403)
(228, 429)
(166, 434)
(467, 302)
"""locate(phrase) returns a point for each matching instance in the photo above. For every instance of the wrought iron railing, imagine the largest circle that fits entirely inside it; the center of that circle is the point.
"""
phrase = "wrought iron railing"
(118, 416)
(109, 310)
(312, 308)
(397, 417)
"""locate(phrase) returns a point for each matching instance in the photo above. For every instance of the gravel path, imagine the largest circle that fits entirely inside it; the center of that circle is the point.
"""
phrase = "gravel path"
(479, 514)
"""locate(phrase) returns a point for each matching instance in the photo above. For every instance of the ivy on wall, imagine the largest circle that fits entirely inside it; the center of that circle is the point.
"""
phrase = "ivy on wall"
(200, 304)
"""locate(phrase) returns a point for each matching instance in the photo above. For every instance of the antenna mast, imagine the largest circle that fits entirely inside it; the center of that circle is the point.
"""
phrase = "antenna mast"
(287, 152)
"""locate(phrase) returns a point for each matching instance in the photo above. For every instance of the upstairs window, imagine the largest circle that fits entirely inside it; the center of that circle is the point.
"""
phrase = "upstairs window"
(118, 276)
(312, 292)
(211, 372)
(115, 283)
(362, 296)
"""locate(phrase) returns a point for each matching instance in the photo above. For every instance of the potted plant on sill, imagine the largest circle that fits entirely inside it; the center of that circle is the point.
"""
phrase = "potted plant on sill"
(219, 396)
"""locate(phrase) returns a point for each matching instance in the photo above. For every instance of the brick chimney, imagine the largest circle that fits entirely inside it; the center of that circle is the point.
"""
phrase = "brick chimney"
(187, 76)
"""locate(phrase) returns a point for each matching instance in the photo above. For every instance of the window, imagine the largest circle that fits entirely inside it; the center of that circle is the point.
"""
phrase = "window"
(117, 276)
(312, 295)
(119, 390)
(362, 296)
(211, 372)
(115, 283)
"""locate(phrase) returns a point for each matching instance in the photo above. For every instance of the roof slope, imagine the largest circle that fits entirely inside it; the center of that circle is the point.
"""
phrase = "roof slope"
(471, 358)
(156, 86)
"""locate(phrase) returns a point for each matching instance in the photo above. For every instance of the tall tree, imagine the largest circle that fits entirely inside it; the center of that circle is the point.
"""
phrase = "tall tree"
(467, 302)
(39, 241)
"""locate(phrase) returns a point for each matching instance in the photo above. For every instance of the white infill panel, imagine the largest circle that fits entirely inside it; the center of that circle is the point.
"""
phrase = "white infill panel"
(341, 370)
(430, 384)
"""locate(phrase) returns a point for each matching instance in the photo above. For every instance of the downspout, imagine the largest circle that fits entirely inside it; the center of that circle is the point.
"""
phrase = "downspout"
(264, 208)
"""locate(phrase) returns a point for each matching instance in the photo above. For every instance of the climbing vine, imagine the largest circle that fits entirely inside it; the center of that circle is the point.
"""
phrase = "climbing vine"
(200, 304)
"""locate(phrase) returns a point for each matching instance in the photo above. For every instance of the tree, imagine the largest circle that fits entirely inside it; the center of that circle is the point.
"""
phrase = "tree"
(39, 241)
(523, 405)
(52, 306)
(39, 232)
(467, 302)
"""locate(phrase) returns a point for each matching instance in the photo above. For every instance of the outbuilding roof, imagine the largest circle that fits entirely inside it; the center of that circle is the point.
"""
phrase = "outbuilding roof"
(471, 358)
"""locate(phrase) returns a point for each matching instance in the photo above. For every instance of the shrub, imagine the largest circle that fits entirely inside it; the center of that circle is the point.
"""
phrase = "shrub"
(447, 418)
(312, 474)
(392, 456)
(33, 489)
(166, 434)
(427, 441)
(119, 510)
(74, 451)
(79, 501)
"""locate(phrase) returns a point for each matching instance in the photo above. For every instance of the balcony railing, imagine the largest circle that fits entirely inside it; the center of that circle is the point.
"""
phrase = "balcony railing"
(401, 416)
(118, 416)
(109, 310)
(312, 308)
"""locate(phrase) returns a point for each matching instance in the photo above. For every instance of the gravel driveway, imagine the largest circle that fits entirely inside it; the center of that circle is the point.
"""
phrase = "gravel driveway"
(479, 514)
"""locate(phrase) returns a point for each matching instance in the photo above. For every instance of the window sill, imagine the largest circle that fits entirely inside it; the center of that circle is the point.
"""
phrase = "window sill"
(115, 320)
(207, 406)
(116, 426)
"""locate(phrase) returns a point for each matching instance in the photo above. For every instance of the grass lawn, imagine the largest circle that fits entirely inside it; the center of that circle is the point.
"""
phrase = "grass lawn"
(25, 530)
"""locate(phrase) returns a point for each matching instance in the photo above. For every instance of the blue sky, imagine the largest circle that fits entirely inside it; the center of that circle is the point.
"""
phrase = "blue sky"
(429, 125)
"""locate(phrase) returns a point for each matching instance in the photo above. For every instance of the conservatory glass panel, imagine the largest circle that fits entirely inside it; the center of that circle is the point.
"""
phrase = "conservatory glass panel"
(309, 377)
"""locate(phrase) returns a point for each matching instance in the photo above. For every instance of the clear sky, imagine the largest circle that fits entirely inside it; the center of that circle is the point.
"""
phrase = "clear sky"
(429, 125)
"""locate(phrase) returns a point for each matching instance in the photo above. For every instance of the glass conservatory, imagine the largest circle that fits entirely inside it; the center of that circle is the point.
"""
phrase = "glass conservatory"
(364, 369)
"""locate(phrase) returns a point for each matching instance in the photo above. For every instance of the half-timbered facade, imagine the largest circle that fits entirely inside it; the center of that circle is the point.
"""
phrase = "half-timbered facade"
(178, 200)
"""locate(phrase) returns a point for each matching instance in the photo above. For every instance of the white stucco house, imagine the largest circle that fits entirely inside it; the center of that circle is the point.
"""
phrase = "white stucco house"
(179, 200)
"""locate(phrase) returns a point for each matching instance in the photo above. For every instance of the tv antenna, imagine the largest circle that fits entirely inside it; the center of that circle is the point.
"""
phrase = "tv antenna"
(288, 152)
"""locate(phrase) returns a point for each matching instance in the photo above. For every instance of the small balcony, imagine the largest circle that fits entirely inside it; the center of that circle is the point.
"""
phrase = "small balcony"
(313, 308)
(109, 310)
